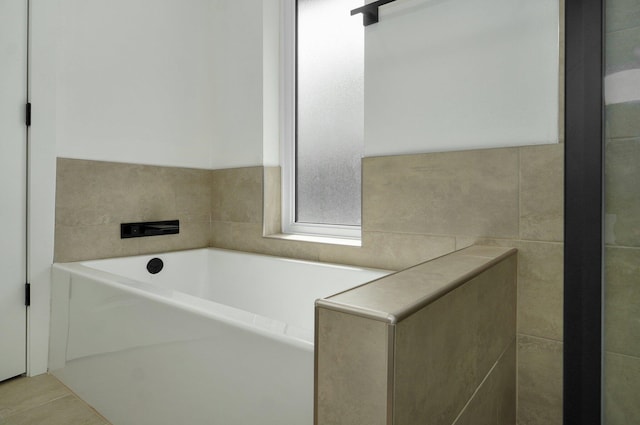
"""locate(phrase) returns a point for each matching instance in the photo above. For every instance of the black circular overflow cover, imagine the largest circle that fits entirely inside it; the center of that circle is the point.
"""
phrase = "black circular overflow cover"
(155, 265)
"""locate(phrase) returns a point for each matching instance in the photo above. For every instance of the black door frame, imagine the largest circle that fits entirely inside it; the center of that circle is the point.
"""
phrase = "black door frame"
(583, 235)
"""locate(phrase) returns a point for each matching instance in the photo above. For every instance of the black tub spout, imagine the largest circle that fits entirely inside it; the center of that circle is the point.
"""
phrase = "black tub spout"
(150, 228)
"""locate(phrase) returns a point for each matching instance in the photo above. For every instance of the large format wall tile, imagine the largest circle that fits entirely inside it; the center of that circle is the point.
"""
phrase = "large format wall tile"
(248, 237)
(450, 321)
(435, 384)
(445, 351)
(620, 52)
(622, 14)
(94, 197)
(391, 251)
(540, 289)
(193, 194)
(622, 194)
(539, 381)
(75, 243)
(622, 120)
(622, 301)
(497, 306)
(352, 353)
(494, 402)
(272, 201)
(542, 192)
(622, 220)
(507, 384)
(621, 389)
(237, 195)
(540, 286)
(471, 192)
(108, 193)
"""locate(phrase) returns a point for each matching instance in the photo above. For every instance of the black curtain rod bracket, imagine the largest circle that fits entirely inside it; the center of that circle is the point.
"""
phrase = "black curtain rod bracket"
(370, 11)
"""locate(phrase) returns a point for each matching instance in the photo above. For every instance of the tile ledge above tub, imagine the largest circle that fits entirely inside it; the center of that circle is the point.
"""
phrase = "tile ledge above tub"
(397, 296)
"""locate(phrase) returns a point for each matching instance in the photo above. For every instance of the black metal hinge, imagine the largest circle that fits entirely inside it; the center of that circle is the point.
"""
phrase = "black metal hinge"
(27, 120)
(27, 294)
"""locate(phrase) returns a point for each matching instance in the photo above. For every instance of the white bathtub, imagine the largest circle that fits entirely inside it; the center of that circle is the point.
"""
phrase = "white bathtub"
(217, 337)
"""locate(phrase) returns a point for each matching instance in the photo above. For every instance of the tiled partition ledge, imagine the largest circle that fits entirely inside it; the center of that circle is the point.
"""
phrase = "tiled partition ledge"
(433, 344)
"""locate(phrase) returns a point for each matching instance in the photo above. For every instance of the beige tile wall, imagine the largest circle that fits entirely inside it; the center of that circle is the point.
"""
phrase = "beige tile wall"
(232, 230)
(445, 351)
(415, 207)
(495, 399)
(622, 218)
(354, 359)
(94, 197)
(421, 356)
(622, 282)
(451, 193)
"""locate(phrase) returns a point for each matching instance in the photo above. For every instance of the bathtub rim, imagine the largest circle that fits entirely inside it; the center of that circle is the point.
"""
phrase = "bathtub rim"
(245, 253)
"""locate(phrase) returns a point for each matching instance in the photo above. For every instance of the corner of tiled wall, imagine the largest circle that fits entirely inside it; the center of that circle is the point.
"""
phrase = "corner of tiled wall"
(242, 200)
(508, 197)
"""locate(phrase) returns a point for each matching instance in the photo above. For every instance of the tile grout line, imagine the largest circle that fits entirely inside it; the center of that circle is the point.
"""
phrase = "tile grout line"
(70, 394)
(76, 396)
(559, 341)
(628, 356)
(37, 406)
(485, 379)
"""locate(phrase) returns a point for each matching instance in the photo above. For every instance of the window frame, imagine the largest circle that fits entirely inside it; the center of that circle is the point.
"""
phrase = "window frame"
(288, 114)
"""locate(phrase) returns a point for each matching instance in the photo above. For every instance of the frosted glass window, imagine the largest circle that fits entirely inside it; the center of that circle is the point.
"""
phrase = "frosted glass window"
(330, 112)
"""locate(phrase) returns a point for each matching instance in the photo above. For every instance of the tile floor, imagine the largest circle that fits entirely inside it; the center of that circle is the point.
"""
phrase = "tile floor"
(43, 400)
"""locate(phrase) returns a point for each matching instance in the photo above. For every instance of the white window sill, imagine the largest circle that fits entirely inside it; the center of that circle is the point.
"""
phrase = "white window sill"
(316, 239)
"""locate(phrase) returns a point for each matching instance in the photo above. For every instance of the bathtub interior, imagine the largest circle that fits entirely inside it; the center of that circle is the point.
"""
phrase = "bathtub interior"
(273, 288)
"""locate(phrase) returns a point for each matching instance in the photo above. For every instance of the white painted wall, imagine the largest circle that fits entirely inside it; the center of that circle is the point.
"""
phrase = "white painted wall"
(170, 82)
(238, 84)
(42, 135)
(193, 83)
(446, 75)
(135, 80)
(271, 16)
(440, 75)
(13, 184)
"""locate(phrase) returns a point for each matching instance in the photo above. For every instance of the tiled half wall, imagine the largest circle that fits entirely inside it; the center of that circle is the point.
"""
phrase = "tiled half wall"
(415, 208)
(433, 344)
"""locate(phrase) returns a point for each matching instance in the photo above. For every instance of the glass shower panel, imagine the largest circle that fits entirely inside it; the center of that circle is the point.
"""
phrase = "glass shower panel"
(330, 112)
(622, 214)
